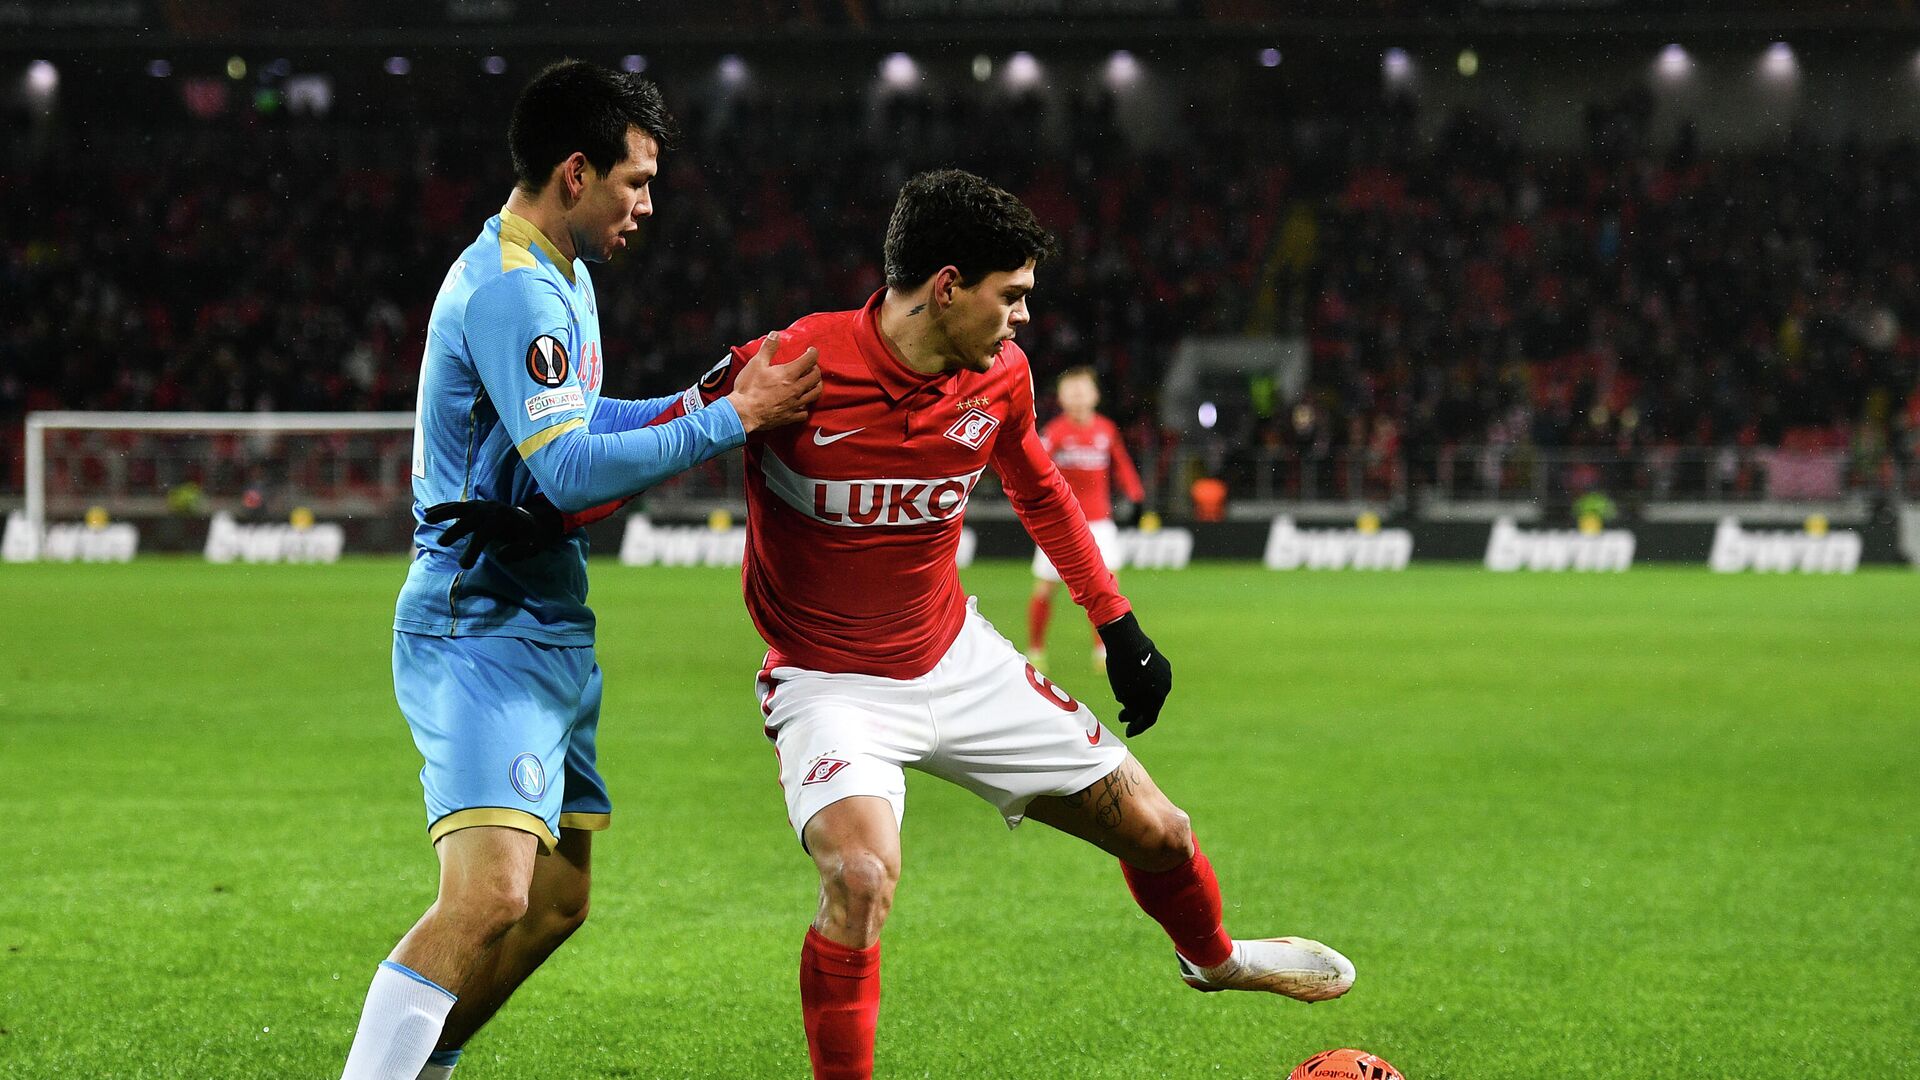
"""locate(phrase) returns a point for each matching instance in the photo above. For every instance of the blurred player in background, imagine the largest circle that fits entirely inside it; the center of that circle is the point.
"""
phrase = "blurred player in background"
(1087, 449)
(878, 660)
(493, 661)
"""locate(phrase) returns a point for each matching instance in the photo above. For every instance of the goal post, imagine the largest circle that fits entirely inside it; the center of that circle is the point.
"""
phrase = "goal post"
(376, 444)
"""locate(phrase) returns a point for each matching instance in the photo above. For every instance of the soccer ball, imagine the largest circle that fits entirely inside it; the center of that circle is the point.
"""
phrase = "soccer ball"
(1344, 1064)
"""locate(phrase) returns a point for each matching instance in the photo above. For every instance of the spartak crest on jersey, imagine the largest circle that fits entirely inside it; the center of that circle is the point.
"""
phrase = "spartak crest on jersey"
(973, 429)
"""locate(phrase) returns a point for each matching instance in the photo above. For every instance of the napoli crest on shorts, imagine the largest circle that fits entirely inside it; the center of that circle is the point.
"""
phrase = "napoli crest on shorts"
(973, 430)
(529, 777)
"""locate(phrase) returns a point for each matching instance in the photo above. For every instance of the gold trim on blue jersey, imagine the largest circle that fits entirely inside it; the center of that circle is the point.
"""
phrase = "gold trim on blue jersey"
(585, 822)
(532, 443)
(518, 238)
(502, 816)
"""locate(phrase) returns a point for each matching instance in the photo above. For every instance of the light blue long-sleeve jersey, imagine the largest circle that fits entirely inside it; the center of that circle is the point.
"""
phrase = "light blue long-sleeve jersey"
(510, 404)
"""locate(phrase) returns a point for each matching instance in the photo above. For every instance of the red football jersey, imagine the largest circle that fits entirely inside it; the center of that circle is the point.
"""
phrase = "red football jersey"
(1091, 457)
(854, 515)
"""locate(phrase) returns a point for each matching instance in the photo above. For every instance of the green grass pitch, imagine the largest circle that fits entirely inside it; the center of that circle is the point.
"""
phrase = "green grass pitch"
(1658, 824)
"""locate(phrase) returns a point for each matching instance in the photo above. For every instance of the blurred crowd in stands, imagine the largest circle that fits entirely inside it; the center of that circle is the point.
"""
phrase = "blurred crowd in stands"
(1454, 288)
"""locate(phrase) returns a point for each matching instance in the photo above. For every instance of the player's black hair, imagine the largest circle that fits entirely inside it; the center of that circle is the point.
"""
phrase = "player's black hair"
(954, 218)
(576, 106)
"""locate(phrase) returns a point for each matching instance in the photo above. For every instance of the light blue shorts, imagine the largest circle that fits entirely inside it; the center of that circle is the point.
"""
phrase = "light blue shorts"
(507, 728)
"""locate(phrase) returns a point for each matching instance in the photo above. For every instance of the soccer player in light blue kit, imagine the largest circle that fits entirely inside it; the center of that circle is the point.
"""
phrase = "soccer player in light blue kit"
(493, 661)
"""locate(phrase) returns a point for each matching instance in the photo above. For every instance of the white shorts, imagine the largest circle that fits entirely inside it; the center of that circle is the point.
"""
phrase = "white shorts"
(983, 718)
(1105, 533)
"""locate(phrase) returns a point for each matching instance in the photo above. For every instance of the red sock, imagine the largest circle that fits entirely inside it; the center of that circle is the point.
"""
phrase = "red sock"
(1039, 610)
(840, 1001)
(1185, 901)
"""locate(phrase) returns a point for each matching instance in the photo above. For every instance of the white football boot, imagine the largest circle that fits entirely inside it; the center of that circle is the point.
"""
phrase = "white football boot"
(1299, 968)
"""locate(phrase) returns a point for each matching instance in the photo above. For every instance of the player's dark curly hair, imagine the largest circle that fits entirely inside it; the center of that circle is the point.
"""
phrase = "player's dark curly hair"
(576, 106)
(954, 218)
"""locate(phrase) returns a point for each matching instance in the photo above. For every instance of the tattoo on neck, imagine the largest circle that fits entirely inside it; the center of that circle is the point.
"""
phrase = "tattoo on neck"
(917, 309)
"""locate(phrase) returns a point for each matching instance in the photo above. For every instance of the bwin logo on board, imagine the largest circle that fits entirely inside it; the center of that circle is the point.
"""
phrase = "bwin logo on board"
(1368, 547)
(1812, 550)
(1604, 550)
(95, 540)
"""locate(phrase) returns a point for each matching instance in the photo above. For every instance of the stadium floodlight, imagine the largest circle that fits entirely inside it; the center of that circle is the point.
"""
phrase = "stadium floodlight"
(1673, 64)
(1469, 63)
(141, 460)
(1778, 64)
(1023, 71)
(159, 69)
(398, 65)
(42, 80)
(1270, 58)
(633, 63)
(1122, 70)
(899, 71)
(1397, 66)
(236, 68)
(733, 70)
(494, 65)
(311, 94)
(982, 68)
(1209, 415)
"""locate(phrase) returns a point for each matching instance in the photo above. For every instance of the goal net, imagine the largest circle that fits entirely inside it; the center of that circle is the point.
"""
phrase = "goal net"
(236, 486)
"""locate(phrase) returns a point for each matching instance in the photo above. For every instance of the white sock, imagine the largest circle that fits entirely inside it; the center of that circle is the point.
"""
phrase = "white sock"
(399, 1024)
(1230, 966)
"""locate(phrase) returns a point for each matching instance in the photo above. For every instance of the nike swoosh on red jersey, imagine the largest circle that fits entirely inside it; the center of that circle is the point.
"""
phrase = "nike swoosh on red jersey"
(818, 441)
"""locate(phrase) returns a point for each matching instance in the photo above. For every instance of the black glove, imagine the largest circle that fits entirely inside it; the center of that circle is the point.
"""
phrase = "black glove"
(1141, 677)
(1128, 515)
(514, 532)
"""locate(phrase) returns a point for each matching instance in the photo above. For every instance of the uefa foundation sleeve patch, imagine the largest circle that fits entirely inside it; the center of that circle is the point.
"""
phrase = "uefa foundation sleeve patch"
(552, 401)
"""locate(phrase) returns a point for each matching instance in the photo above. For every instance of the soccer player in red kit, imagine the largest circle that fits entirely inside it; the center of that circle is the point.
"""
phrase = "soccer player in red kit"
(1087, 449)
(877, 660)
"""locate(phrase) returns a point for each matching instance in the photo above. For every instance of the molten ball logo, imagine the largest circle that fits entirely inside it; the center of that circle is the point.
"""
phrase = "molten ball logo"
(1344, 1064)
